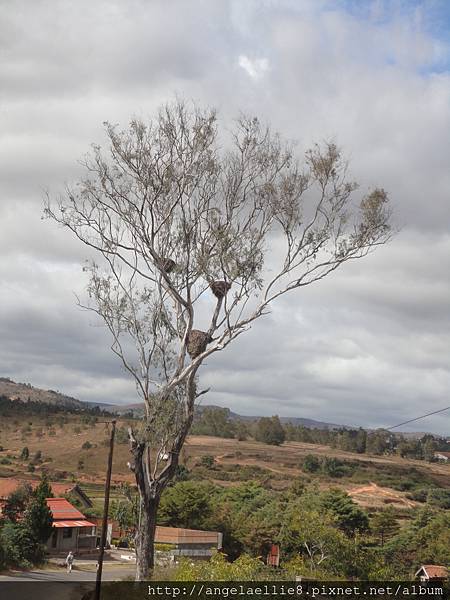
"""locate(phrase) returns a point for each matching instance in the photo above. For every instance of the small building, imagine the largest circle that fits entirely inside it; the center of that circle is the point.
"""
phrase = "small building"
(273, 558)
(433, 573)
(71, 529)
(192, 543)
(443, 456)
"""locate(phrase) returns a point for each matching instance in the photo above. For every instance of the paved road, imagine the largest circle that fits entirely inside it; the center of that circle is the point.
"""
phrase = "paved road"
(110, 573)
(56, 584)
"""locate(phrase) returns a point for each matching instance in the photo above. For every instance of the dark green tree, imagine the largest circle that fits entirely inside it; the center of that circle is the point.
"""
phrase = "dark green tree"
(214, 421)
(186, 504)
(44, 489)
(20, 548)
(38, 519)
(384, 524)
(241, 431)
(348, 516)
(270, 431)
(378, 442)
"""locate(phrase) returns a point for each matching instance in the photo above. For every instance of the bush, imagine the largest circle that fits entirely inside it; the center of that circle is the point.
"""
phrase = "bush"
(311, 463)
(86, 445)
(207, 461)
(244, 568)
(418, 495)
(335, 468)
(440, 498)
(121, 436)
(181, 473)
(16, 545)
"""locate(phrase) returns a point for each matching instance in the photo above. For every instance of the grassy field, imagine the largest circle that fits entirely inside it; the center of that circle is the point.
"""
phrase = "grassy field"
(371, 480)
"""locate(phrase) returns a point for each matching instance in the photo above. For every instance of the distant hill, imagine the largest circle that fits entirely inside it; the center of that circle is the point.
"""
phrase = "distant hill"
(311, 423)
(25, 392)
(138, 410)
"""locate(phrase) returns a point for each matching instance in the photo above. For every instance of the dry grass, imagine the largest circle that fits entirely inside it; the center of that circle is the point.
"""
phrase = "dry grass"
(62, 451)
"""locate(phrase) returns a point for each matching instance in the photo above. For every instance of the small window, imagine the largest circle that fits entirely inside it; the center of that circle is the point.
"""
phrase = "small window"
(67, 532)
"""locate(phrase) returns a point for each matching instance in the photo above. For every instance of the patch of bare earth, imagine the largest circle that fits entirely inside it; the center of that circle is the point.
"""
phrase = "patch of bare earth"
(374, 496)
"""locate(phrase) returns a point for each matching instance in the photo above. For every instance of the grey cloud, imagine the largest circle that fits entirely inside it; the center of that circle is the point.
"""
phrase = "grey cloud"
(368, 345)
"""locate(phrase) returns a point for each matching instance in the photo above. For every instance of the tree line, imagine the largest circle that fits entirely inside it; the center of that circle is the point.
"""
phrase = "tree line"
(218, 422)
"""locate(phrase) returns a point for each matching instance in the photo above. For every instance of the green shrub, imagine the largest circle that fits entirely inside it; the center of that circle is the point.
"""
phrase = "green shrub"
(418, 495)
(439, 498)
(207, 461)
(311, 463)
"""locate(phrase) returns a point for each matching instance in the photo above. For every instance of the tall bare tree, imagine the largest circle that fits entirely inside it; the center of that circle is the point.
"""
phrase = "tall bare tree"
(197, 235)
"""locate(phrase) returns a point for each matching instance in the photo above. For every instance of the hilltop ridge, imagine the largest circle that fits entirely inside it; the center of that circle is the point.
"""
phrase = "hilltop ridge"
(25, 392)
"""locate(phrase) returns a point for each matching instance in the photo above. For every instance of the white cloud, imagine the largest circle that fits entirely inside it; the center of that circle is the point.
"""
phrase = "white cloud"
(255, 68)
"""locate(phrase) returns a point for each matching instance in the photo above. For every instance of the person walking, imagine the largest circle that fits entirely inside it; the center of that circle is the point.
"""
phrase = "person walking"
(69, 561)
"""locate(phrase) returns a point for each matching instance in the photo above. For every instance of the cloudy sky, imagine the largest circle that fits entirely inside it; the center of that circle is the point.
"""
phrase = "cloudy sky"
(368, 346)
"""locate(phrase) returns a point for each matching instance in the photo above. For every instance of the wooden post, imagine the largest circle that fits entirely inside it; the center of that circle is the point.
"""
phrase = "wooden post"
(105, 514)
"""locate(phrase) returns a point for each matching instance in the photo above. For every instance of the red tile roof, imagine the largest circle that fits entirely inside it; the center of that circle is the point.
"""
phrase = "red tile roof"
(62, 510)
(66, 515)
(83, 523)
(434, 571)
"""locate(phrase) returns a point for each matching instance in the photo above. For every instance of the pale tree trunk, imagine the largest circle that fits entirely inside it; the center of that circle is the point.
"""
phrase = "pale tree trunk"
(145, 538)
(151, 487)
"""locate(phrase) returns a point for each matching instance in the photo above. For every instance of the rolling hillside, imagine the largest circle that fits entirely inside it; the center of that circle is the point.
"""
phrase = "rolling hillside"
(25, 392)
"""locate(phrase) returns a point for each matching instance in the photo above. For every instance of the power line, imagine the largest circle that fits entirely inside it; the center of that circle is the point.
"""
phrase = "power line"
(435, 412)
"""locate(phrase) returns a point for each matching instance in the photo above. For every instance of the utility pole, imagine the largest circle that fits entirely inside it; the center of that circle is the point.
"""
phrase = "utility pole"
(98, 581)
